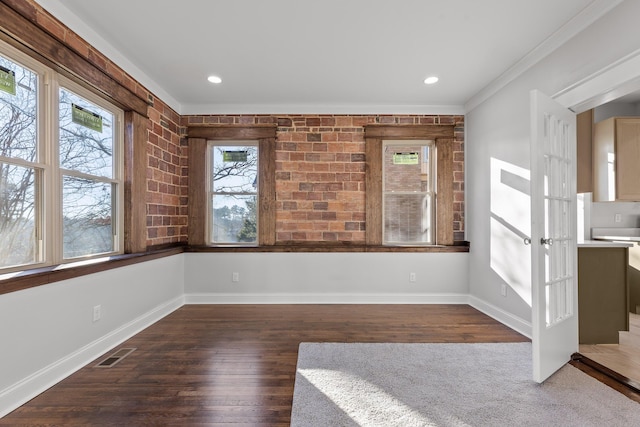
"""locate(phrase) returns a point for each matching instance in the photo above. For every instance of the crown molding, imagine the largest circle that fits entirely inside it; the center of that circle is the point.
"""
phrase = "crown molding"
(578, 23)
(71, 20)
(321, 109)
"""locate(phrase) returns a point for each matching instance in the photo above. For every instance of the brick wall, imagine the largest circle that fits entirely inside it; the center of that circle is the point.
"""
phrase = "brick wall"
(319, 165)
(320, 172)
(167, 201)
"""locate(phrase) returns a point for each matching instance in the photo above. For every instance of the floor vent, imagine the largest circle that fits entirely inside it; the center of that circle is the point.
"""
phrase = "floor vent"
(115, 358)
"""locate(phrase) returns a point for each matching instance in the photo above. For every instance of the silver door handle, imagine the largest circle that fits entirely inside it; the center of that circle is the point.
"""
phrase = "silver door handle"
(527, 241)
(548, 241)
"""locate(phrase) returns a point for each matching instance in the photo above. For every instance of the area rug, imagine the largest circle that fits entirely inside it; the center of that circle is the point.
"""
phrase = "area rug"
(340, 384)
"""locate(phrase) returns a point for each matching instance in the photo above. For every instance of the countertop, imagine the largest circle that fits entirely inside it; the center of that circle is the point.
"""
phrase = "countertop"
(604, 244)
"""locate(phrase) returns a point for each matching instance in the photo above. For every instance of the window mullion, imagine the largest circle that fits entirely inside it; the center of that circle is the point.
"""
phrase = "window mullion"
(53, 178)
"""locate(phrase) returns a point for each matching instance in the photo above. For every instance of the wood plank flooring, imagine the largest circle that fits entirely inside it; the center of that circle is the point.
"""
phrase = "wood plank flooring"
(219, 364)
(621, 358)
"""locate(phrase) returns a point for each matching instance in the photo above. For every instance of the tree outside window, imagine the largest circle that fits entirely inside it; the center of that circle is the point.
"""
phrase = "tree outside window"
(60, 185)
(234, 193)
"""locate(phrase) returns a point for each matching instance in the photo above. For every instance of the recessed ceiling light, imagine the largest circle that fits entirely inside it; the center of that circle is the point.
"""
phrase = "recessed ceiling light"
(214, 79)
(430, 80)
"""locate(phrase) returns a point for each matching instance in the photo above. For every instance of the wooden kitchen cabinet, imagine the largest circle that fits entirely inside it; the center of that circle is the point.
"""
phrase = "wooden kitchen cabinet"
(602, 294)
(616, 155)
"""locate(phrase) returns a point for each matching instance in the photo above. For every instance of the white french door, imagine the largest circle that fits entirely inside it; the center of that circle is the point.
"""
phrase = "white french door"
(553, 229)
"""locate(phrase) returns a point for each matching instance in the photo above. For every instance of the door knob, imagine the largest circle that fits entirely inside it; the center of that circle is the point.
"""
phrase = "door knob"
(548, 241)
(527, 240)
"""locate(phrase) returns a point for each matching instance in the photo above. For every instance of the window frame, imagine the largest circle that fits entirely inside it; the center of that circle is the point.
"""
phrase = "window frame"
(41, 164)
(48, 185)
(443, 135)
(430, 191)
(211, 193)
(198, 139)
(117, 178)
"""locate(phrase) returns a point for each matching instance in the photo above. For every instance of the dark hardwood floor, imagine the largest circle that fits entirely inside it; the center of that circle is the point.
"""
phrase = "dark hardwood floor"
(217, 364)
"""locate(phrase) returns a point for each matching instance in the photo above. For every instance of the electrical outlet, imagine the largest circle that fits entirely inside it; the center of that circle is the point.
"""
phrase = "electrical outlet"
(503, 290)
(618, 217)
(235, 276)
(412, 277)
(97, 312)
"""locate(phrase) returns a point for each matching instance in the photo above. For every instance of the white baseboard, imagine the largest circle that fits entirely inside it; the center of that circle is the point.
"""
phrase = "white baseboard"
(508, 319)
(211, 298)
(21, 392)
(18, 394)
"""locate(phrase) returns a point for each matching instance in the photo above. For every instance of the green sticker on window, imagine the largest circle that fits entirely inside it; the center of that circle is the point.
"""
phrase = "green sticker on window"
(7, 81)
(234, 156)
(86, 118)
(406, 158)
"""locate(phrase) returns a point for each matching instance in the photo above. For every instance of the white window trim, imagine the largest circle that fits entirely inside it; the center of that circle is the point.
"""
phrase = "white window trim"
(431, 191)
(48, 194)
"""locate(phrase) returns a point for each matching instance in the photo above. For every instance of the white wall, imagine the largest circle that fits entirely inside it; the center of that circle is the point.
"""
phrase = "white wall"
(47, 332)
(497, 137)
(603, 214)
(614, 109)
(326, 277)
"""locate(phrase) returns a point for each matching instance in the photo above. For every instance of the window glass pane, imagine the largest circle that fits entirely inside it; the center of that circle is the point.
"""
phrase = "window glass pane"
(86, 210)
(407, 193)
(235, 219)
(235, 169)
(406, 168)
(17, 215)
(18, 124)
(86, 136)
(407, 218)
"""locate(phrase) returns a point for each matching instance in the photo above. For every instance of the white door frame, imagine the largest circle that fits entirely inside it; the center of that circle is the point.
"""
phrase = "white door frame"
(612, 82)
(616, 80)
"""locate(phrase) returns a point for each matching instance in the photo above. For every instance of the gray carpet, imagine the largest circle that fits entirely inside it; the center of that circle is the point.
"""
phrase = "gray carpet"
(446, 385)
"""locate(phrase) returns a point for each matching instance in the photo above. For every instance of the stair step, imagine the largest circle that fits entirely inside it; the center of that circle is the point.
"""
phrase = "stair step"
(634, 323)
(629, 340)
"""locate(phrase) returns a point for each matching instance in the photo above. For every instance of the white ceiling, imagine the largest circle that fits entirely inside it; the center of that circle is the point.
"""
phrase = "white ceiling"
(333, 56)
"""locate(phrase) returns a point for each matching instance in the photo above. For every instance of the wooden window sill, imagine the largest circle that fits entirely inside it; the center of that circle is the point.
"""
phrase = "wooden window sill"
(19, 280)
(328, 247)
(16, 281)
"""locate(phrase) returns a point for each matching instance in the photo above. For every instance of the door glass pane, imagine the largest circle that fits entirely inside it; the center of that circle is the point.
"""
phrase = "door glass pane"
(234, 219)
(86, 136)
(87, 212)
(18, 220)
(18, 111)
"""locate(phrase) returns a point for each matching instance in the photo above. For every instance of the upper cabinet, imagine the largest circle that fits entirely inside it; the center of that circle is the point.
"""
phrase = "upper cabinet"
(616, 156)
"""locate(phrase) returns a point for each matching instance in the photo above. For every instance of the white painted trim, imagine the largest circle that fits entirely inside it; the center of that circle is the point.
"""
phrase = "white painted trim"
(578, 23)
(21, 392)
(611, 82)
(290, 298)
(516, 323)
(320, 109)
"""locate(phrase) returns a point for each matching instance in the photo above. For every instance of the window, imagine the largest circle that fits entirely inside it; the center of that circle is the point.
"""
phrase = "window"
(61, 192)
(427, 199)
(21, 168)
(87, 149)
(407, 189)
(233, 211)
